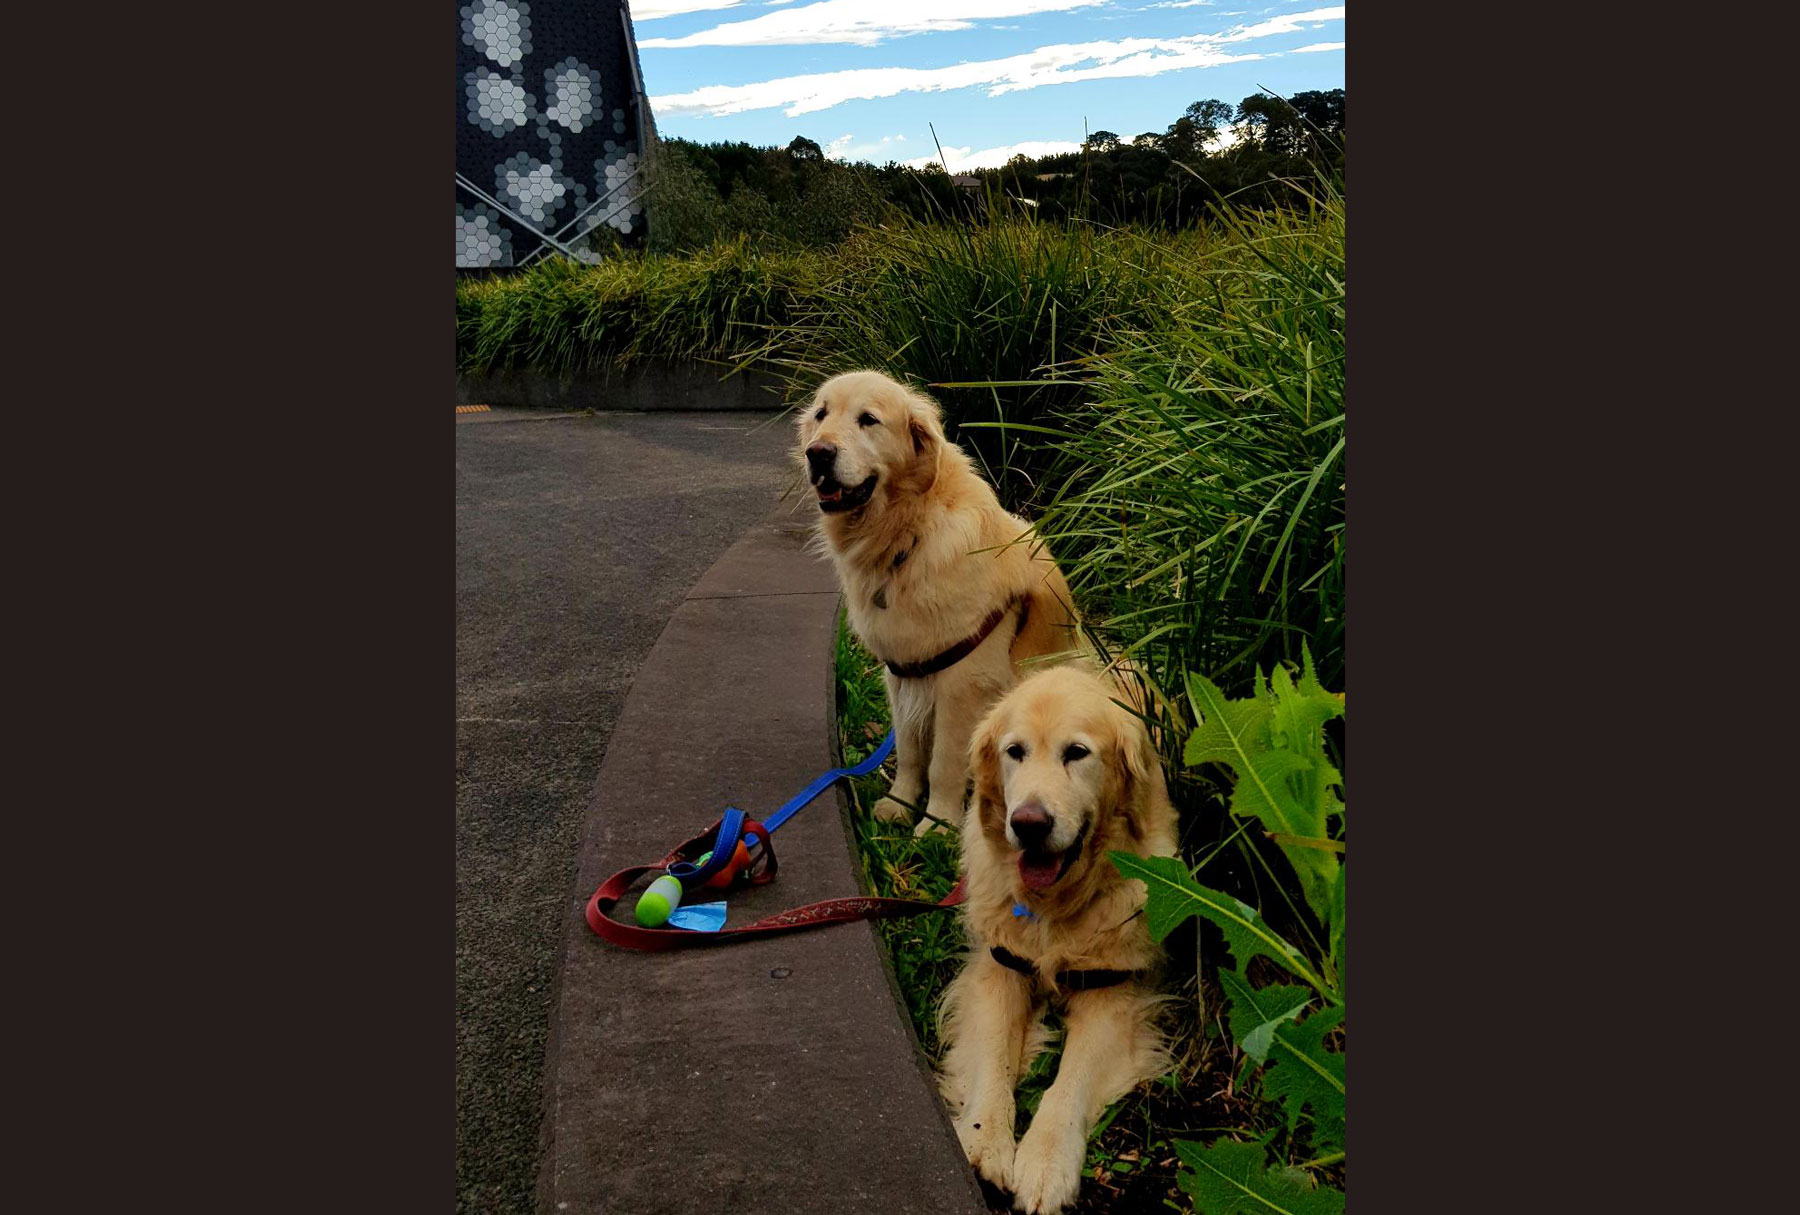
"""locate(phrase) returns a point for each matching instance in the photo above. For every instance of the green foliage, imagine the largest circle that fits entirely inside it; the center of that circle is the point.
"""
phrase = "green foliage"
(1175, 896)
(1199, 501)
(976, 312)
(1302, 1073)
(1229, 1178)
(722, 302)
(1274, 744)
(925, 950)
(789, 199)
(1256, 1015)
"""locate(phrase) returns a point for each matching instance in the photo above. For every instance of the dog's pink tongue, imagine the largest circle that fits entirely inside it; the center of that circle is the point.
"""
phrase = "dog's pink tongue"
(1040, 870)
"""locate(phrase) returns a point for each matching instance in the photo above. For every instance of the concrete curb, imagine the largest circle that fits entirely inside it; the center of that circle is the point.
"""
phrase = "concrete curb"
(776, 1074)
(642, 387)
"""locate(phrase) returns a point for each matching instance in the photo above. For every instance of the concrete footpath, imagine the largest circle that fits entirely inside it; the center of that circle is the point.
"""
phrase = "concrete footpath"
(576, 537)
(773, 1075)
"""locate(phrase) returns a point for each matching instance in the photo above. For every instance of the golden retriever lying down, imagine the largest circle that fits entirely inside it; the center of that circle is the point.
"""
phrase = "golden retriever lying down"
(935, 585)
(1062, 775)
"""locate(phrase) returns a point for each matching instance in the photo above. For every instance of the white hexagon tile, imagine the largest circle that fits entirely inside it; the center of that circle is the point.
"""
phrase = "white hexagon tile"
(545, 125)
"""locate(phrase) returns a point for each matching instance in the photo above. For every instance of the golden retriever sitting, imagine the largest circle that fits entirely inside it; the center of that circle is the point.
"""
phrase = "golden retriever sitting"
(936, 586)
(1062, 775)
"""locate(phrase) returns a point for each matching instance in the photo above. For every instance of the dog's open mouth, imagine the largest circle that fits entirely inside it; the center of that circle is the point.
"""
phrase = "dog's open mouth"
(1042, 870)
(834, 497)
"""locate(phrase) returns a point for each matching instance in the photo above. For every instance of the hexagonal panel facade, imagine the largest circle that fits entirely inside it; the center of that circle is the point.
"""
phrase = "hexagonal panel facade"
(547, 126)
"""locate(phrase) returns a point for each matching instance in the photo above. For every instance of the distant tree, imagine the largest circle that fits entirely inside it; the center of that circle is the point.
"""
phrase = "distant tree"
(805, 149)
(1103, 141)
(1272, 124)
(1321, 114)
(1208, 117)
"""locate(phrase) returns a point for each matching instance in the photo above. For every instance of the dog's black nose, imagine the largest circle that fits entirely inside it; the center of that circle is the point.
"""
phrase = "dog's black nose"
(1032, 823)
(820, 457)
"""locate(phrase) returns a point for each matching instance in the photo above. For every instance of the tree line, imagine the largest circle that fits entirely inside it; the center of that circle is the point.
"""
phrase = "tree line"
(796, 194)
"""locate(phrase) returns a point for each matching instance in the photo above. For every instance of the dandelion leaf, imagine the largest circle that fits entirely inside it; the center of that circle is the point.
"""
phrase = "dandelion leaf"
(1302, 1073)
(1254, 1015)
(1226, 1178)
(1174, 895)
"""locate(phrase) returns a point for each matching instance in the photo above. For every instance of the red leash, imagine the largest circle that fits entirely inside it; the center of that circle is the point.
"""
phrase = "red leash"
(812, 915)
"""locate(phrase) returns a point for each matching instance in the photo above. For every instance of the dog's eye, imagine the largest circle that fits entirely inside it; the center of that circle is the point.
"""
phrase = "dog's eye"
(868, 419)
(820, 416)
(1015, 752)
(1073, 752)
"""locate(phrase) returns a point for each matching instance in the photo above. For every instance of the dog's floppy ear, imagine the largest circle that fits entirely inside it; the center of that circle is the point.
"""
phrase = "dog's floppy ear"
(924, 423)
(1139, 770)
(984, 765)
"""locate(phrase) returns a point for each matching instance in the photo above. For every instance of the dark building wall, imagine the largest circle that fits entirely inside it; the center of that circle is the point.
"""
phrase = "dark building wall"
(549, 121)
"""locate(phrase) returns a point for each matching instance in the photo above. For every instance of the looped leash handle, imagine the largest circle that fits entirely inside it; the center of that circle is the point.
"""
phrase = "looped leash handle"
(732, 826)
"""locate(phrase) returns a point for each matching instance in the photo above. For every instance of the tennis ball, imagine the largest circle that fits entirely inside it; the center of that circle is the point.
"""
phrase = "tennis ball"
(657, 903)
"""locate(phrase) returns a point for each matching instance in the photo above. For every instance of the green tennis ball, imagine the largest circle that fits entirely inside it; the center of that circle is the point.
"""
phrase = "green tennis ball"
(658, 903)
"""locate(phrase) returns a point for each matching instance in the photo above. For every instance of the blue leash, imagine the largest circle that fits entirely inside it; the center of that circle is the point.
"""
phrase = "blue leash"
(731, 824)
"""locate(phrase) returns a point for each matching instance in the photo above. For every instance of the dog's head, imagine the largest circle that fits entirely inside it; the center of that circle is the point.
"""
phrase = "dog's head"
(1062, 775)
(863, 432)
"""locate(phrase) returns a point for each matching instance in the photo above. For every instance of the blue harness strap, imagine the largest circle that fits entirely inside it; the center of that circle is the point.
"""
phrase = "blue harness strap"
(731, 823)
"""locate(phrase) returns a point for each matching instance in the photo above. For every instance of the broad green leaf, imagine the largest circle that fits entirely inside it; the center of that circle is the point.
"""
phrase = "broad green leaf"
(1273, 744)
(1301, 1072)
(1175, 895)
(1229, 1178)
(1254, 1015)
(1230, 731)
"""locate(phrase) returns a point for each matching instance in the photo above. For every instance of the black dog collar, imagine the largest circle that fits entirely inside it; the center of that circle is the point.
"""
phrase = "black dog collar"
(1067, 980)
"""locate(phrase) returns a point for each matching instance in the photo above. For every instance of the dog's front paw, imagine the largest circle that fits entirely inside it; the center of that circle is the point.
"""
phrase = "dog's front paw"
(988, 1144)
(889, 811)
(944, 815)
(1047, 1169)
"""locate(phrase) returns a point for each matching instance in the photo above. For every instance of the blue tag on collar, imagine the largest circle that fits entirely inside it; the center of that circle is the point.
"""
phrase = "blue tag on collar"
(1019, 909)
(699, 917)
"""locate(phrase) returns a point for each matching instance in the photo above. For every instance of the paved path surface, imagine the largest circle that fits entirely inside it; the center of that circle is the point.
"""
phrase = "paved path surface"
(773, 1075)
(576, 538)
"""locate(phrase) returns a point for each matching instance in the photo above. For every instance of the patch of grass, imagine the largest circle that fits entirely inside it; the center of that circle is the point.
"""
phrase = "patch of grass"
(722, 303)
(993, 305)
(925, 949)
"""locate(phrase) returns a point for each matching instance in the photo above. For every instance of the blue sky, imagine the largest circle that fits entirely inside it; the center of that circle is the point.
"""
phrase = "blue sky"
(864, 77)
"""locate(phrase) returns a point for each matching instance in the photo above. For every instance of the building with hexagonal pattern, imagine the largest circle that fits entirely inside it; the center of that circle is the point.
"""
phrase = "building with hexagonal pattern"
(551, 130)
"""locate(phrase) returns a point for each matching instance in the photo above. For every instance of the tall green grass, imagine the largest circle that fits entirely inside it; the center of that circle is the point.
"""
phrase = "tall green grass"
(1199, 510)
(994, 319)
(720, 303)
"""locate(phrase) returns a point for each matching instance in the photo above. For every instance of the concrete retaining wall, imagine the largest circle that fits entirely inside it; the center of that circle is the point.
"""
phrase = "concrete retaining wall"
(645, 386)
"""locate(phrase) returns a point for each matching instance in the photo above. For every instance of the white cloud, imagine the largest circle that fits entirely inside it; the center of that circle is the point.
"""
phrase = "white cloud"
(650, 10)
(961, 160)
(1046, 65)
(845, 147)
(862, 22)
(1317, 46)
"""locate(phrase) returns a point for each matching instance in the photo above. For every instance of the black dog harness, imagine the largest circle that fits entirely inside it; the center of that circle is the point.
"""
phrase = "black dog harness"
(1067, 980)
(965, 647)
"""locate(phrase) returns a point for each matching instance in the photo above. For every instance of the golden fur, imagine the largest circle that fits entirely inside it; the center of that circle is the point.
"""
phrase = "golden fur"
(1086, 920)
(922, 563)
